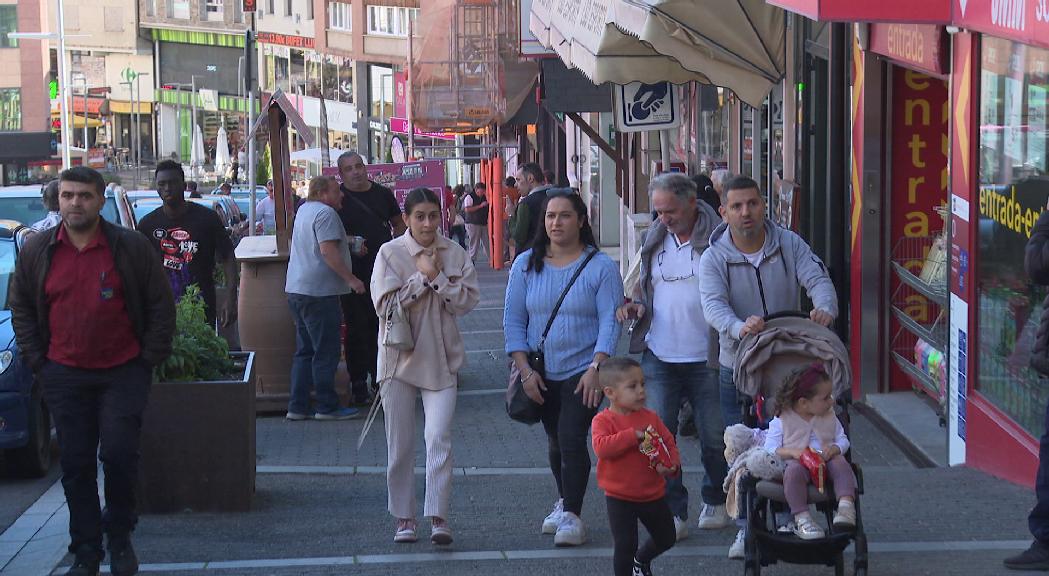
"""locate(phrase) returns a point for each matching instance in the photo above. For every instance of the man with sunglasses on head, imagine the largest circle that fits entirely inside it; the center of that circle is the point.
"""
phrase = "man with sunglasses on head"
(675, 339)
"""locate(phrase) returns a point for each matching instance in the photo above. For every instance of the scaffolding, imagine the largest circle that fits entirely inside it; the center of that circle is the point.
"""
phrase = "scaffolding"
(457, 67)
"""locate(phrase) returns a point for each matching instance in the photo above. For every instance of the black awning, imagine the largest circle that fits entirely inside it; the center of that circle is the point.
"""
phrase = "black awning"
(21, 146)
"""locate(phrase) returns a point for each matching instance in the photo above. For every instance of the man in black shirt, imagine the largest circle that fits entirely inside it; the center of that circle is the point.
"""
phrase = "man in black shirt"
(369, 210)
(190, 239)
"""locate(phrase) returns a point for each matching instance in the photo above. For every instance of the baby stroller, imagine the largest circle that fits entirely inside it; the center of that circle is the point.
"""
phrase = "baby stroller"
(791, 340)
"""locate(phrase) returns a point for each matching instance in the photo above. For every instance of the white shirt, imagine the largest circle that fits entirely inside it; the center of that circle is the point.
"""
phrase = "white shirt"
(265, 212)
(774, 438)
(755, 258)
(679, 331)
(47, 222)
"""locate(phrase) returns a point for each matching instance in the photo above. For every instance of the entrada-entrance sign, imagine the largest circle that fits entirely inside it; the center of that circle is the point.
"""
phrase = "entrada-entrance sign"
(641, 107)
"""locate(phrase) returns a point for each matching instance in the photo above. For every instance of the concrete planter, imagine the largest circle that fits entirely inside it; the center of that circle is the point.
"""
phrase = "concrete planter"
(198, 445)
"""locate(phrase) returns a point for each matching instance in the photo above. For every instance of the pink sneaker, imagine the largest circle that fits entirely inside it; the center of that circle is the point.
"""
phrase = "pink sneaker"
(405, 531)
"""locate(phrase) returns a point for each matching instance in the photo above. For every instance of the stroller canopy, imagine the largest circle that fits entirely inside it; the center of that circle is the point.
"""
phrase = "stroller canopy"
(766, 359)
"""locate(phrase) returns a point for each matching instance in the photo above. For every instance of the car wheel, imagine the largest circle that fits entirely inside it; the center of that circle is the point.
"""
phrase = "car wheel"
(34, 459)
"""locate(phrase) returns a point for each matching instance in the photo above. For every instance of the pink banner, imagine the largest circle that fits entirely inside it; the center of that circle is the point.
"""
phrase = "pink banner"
(1025, 21)
(403, 178)
(400, 126)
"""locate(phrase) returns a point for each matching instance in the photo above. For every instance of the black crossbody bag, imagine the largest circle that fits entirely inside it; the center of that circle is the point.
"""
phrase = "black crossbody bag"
(518, 405)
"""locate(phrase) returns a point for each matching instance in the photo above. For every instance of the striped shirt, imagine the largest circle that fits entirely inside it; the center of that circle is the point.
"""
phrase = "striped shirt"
(586, 323)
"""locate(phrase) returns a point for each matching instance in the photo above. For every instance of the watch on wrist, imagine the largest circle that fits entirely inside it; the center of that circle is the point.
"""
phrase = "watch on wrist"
(595, 365)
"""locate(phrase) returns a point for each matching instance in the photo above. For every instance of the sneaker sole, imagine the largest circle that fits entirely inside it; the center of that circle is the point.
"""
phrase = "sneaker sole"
(405, 539)
(327, 418)
(441, 539)
(297, 418)
(569, 543)
(548, 529)
(718, 526)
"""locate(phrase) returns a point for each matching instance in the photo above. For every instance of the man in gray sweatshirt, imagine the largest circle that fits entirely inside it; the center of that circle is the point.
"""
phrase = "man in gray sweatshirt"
(754, 268)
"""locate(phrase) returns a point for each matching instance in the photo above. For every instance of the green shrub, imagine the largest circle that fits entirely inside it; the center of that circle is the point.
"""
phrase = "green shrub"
(198, 353)
(263, 168)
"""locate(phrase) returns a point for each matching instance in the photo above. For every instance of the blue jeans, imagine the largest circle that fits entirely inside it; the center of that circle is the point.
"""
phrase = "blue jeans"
(730, 401)
(666, 384)
(317, 320)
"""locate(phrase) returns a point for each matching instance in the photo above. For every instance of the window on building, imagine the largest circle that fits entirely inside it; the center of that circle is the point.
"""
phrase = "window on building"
(179, 9)
(340, 16)
(213, 9)
(114, 18)
(287, 7)
(151, 7)
(10, 109)
(272, 7)
(1014, 183)
(238, 11)
(72, 17)
(390, 20)
(309, 9)
(8, 23)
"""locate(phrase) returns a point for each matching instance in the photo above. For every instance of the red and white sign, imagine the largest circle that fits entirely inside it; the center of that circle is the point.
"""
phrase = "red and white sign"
(400, 94)
(284, 40)
(922, 11)
(400, 126)
(921, 46)
(404, 177)
(1025, 21)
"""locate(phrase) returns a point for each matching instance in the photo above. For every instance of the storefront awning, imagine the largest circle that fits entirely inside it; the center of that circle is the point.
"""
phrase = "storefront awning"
(906, 11)
(738, 45)
(124, 107)
(78, 121)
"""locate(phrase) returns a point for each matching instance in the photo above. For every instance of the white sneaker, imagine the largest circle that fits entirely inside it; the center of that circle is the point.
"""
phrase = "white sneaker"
(739, 546)
(570, 532)
(713, 517)
(681, 528)
(553, 520)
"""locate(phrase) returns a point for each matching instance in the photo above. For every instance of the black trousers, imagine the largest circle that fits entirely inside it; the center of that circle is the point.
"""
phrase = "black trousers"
(567, 421)
(1038, 520)
(623, 517)
(89, 408)
(362, 337)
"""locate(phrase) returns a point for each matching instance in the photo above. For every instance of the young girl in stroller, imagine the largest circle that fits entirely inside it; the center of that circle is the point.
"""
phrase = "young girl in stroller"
(806, 420)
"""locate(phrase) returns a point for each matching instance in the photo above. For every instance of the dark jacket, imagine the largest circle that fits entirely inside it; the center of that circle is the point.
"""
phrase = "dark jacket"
(1036, 263)
(147, 294)
(477, 217)
(705, 223)
(527, 218)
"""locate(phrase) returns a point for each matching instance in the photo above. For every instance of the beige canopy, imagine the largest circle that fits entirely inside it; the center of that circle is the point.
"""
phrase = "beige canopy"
(737, 44)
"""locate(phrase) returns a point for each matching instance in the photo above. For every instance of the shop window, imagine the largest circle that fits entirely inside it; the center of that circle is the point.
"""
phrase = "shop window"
(345, 85)
(298, 72)
(10, 109)
(1014, 186)
(8, 23)
(340, 16)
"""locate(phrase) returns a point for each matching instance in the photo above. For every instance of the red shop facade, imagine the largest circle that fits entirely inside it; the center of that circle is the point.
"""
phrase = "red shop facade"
(949, 171)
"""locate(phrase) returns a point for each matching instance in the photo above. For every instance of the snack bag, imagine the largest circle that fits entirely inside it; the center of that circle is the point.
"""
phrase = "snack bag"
(655, 449)
(816, 466)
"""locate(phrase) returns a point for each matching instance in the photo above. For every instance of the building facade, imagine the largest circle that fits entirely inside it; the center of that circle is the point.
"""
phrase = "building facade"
(25, 123)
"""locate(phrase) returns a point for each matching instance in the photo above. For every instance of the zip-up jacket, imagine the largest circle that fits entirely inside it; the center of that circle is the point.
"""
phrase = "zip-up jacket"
(733, 290)
(1036, 263)
(147, 294)
(705, 223)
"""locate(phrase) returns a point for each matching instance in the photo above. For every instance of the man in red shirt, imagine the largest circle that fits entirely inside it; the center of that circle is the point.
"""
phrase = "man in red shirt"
(93, 313)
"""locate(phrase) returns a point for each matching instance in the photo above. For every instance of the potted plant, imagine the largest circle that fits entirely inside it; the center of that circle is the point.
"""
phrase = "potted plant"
(198, 431)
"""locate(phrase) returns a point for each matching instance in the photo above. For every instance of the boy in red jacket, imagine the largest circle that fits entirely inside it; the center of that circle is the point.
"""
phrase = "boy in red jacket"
(635, 452)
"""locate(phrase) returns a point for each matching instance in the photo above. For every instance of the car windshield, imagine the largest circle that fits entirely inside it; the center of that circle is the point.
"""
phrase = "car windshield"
(142, 208)
(7, 267)
(29, 210)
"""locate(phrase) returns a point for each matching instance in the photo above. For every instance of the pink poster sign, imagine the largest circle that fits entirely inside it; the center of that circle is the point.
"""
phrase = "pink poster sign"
(403, 178)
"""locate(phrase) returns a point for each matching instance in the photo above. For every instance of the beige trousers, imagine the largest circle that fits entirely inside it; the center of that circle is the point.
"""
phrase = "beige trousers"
(398, 404)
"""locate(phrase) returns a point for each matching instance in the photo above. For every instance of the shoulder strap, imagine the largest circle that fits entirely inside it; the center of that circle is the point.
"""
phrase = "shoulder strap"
(561, 299)
(363, 206)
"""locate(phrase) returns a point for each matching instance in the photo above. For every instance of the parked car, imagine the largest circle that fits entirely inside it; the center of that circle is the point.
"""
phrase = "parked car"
(238, 219)
(25, 423)
(241, 194)
(25, 204)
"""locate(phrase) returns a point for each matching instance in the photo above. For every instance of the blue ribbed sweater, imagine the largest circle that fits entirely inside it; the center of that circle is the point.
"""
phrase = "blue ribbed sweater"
(586, 323)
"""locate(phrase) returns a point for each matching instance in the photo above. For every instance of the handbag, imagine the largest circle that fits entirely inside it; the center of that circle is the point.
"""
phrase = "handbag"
(398, 333)
(518, 405)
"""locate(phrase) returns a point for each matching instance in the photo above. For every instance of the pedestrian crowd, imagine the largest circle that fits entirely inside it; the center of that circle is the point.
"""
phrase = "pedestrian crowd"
(707, 273)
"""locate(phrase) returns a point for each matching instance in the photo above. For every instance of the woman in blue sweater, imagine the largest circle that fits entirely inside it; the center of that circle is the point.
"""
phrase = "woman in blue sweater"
(584, 333)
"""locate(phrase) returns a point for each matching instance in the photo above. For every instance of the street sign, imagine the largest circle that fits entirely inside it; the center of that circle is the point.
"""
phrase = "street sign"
(209, 99)
(248, 6)
(99, 91)
(641, 107)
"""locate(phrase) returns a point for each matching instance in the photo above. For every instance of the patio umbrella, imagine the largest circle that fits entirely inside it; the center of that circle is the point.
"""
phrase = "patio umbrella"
(222, 160)
(196, 156)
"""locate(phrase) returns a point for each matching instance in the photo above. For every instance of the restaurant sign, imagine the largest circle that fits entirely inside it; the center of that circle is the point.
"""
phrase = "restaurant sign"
(919, 46)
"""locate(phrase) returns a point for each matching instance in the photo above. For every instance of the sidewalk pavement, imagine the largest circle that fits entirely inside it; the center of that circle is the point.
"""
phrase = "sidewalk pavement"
(320, 504)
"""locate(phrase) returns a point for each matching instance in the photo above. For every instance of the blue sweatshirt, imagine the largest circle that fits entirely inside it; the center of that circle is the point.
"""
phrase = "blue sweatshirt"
(586, 323)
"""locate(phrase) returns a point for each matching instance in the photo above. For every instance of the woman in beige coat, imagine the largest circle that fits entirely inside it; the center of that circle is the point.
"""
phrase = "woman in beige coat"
(434, 281)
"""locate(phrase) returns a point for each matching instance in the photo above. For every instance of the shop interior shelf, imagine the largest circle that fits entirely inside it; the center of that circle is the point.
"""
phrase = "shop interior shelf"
(936, 292)
(935, 333)
(920, 378)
